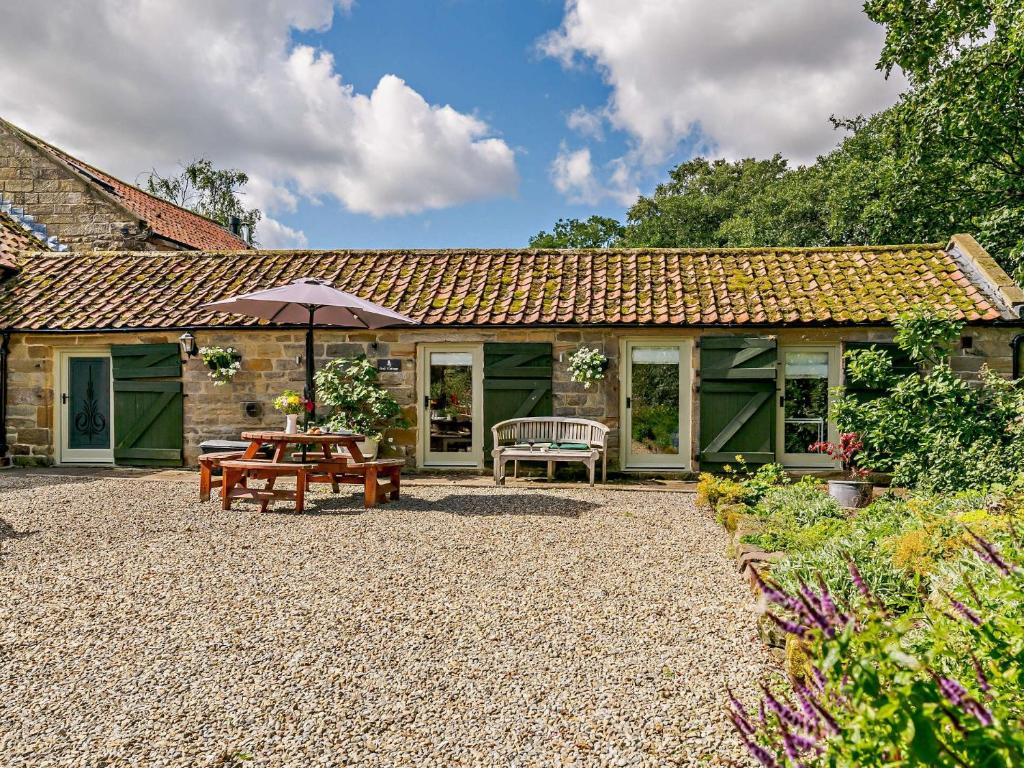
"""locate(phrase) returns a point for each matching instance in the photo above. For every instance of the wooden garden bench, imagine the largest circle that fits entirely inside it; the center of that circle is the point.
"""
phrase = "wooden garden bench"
(555, 439)
(238, 472)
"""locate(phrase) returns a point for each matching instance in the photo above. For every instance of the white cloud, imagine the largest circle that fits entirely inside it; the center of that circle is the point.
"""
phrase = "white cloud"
(587, 123)
(750, 78)
(273, 234)
(132, 84)
(572, 173)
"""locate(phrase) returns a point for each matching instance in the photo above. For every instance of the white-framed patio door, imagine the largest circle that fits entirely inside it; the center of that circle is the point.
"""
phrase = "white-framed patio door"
(656, 408)
(85, 414)
(806, 376)
(450, 383)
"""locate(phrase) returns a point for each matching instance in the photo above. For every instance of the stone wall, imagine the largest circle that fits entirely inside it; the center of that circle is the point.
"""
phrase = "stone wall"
(272, 361)
(80, 216)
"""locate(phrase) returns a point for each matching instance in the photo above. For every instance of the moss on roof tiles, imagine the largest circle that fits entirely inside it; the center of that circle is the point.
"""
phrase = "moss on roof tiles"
(648, 286)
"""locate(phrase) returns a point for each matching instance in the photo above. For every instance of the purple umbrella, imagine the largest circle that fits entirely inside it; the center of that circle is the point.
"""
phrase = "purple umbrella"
(310, 301)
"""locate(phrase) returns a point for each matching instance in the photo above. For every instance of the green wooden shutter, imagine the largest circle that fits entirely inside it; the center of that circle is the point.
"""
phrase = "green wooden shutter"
(148, 405)
(517, 383)
(737, 400)
(901, 363)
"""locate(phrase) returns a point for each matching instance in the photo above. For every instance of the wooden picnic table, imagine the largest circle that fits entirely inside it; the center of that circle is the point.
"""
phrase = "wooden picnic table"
(281, 441)
(380, 478)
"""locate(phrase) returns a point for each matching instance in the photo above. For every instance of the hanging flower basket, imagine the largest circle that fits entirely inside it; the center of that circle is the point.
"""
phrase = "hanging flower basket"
(587, 366)
(223, 363)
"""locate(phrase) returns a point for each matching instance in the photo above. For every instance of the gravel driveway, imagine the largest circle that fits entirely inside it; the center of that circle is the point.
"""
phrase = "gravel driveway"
(460, 626)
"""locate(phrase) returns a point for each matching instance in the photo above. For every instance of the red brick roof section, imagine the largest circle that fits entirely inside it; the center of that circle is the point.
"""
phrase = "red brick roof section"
(165, 219)
(14, 238)
(749, 287)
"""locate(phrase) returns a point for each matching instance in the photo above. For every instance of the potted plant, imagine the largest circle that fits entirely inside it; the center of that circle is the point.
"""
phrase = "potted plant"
(223, 363)
(358, 403)
(852, 491)
(291, 403)
(587, 366)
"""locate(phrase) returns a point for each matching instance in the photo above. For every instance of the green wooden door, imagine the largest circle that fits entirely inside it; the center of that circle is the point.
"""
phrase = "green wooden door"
(148, 405)
(737, 400)
(88, 402)
(517, 383)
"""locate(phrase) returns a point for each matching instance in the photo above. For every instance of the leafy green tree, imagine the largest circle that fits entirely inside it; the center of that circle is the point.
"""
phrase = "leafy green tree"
(965, 108)
(595, 232)
(717, 203)
(208, 191)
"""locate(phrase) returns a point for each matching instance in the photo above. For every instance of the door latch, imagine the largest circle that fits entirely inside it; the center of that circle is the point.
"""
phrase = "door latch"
(64, 398)
(629, 402)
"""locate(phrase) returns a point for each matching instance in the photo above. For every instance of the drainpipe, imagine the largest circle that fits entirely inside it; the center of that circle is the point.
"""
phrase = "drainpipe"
(1015, 346)
(5, 348)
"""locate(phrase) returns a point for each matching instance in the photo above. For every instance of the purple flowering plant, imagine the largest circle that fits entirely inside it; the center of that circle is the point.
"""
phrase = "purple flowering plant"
(941, 686)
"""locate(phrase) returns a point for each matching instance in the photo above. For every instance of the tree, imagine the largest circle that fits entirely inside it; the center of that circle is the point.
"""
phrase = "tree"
(208, 191)
(595, 232)
(727, 204)
(965, 107)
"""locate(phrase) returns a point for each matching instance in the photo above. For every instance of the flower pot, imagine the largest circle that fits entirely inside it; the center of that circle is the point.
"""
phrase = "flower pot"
(368, 448)
(291, 424)
(852, 494)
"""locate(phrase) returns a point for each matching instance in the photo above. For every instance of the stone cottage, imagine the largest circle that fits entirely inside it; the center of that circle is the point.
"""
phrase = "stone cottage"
(66, 203)
(711, 352)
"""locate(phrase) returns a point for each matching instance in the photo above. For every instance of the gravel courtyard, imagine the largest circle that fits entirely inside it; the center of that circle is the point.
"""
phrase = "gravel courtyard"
(460, 626)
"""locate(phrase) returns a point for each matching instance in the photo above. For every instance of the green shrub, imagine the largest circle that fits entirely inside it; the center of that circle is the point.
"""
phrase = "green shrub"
(713, 490)
(942, 686)
(358, 402)
(738, 485)
(933, 430)
(796, 517)
(867, 538)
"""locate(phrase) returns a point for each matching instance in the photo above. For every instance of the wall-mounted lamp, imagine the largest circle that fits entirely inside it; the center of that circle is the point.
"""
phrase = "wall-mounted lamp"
(189, 348)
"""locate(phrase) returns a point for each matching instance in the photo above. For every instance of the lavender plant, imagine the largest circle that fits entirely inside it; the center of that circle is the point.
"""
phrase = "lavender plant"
(940, 687)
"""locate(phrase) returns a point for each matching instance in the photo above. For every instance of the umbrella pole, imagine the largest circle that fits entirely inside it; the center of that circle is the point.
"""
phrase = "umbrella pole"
(310, 389)
(310, 365)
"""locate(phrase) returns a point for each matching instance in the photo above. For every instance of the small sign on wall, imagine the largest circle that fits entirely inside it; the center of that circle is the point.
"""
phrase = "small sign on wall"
(389, 364)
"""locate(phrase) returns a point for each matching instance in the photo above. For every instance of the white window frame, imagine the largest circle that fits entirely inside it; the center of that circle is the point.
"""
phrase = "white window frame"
(424, 457)
(805, 460)
(683, 461)
(65, 454)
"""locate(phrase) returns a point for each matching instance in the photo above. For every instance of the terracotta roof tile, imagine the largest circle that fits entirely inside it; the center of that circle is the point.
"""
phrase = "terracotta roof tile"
(15, 238)
(72, 291)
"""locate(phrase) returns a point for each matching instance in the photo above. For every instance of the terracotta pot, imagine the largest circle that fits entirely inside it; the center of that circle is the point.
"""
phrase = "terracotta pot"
(851, 494)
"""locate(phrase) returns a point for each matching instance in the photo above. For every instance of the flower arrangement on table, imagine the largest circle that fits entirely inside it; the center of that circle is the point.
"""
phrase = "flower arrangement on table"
(587, 366)
(291, 404)
(223, 363)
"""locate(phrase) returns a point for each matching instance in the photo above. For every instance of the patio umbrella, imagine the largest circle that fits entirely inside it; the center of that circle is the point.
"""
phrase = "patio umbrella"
(309, 301)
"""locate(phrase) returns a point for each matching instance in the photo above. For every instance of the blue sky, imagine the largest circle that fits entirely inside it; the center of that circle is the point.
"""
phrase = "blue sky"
(437, 123)
(479, 57)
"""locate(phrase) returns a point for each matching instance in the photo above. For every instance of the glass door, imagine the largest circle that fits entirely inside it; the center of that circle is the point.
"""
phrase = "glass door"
(806, 374)
(85, 414)
(656, 405)
(451, 386)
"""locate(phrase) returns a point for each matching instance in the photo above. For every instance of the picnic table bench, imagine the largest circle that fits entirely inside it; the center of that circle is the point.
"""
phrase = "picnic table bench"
(550, 439)
(380, 478)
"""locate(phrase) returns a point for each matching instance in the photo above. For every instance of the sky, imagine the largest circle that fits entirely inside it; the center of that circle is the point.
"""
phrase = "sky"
(436, 123)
